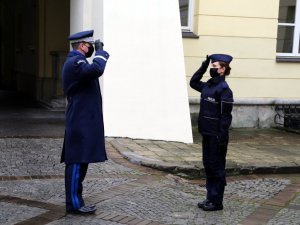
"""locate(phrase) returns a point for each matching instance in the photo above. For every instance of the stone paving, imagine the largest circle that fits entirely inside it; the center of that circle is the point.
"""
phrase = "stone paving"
(13, 213)
(32, 179)
(32, 192)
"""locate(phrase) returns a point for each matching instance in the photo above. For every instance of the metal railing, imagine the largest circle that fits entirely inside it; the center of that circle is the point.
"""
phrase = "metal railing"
(288, 116)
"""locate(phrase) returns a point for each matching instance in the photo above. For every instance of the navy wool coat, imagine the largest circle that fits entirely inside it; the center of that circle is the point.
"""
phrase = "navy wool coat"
(84, 130)
(215, 104)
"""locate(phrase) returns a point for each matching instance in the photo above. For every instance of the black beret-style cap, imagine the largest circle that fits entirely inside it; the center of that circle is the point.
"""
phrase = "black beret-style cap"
(221, 57)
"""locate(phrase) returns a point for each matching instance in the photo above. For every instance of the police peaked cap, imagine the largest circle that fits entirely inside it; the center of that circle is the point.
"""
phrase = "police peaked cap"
(221, 57)
(83, 36)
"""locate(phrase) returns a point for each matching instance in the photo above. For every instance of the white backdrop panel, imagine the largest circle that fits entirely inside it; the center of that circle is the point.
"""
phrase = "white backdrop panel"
(144, 86)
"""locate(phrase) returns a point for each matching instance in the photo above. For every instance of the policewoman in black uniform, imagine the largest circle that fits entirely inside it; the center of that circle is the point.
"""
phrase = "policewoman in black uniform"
(84, 131)
(213, 123)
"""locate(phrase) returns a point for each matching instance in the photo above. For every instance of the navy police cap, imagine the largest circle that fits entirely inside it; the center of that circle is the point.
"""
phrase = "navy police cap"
(221, 57)
(83, 36)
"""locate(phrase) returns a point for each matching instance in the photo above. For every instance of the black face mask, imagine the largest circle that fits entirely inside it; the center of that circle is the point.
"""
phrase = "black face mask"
(90, 52)
(214, 72)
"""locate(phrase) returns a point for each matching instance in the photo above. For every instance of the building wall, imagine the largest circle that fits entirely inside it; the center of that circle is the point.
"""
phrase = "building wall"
(53, 30)
(247, 30)
(57, 29)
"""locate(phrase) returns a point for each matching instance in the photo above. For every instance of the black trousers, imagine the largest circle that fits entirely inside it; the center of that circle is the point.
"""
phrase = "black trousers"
(74, 176)
(214, 161)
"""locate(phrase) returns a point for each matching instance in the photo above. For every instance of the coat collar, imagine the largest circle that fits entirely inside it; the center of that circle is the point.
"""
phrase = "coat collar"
(74, 53)
(215, 80)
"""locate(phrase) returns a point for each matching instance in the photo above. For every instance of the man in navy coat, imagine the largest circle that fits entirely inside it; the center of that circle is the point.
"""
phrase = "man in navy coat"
(84, 141)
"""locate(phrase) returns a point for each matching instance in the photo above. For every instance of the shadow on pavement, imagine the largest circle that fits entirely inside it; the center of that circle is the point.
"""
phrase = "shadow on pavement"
(21, 116)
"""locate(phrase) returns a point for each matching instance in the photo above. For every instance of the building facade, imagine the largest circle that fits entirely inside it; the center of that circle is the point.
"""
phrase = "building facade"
(144, 89)
(262, 36)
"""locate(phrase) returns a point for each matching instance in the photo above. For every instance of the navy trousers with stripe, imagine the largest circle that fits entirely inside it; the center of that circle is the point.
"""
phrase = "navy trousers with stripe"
(214, 161)
(74, 176)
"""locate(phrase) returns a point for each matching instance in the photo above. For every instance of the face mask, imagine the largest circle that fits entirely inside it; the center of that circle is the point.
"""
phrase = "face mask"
(90, 52)
(214, 72)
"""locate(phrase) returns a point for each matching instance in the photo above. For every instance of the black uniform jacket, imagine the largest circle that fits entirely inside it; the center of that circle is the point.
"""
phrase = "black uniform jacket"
(215, 104)
(84, 133)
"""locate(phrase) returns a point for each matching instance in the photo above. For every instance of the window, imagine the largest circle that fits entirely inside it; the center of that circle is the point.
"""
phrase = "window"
(288, 34)
(186, 14)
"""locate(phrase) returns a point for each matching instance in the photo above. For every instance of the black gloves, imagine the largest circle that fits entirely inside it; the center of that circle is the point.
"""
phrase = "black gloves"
(98, 45)
(205, 63)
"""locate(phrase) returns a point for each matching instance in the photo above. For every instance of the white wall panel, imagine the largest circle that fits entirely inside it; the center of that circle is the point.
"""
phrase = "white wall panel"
(144, 86)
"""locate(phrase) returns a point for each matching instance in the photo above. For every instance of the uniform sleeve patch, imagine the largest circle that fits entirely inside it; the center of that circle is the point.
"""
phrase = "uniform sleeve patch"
(81, 61)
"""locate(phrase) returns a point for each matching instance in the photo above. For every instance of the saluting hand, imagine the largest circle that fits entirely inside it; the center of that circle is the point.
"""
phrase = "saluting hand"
(98, 45)
(206, 62)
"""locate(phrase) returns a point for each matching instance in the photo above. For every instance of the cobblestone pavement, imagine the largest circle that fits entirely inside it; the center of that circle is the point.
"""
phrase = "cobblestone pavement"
(32, 192)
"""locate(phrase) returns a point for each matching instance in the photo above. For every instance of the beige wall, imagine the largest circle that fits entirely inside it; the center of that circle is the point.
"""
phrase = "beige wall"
(247, 30)
(54, 28)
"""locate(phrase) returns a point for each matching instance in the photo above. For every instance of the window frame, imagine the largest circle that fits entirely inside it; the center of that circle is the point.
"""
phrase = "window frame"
(296, 38)
(190, 26)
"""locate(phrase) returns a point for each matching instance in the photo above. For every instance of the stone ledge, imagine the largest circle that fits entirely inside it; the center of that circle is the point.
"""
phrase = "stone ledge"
(255, 101)
(197, 171)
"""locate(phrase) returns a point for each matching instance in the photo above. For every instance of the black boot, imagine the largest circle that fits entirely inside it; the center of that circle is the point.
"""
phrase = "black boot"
(209, 206)
(201, 204)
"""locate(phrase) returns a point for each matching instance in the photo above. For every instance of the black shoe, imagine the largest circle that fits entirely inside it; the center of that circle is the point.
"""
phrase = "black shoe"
(92, 206)
(209, 206)
(201, 204)
(84, 210)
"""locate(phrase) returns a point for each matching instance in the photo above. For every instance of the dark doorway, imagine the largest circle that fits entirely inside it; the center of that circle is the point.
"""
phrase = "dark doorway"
(33, 44)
